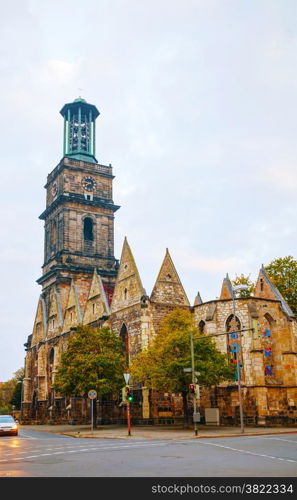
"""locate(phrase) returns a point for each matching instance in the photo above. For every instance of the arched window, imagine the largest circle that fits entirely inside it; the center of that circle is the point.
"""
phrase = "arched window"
(201, 326)
(125, 342)
(233, 327)
(230, 326)
(51, 357)
(88, 229)
(125, 294)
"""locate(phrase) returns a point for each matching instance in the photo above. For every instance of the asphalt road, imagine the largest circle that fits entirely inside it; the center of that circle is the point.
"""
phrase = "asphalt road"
(40, 454)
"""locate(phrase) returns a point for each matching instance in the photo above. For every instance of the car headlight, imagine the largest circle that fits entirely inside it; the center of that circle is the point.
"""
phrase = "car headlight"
(15, 426)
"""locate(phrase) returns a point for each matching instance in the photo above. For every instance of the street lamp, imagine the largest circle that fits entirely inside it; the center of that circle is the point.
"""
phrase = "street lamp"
(235, 289)
(196, 415)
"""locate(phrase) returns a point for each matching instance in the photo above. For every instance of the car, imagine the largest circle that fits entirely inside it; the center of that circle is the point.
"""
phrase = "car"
(8, 425)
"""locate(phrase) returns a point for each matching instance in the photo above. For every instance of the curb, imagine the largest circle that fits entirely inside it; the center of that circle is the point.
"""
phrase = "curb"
(75, 435)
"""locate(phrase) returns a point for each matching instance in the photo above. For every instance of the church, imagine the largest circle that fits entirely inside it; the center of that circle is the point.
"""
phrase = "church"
(82, 282)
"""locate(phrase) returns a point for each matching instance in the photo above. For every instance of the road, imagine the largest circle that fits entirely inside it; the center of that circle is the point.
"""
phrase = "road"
(40, 454)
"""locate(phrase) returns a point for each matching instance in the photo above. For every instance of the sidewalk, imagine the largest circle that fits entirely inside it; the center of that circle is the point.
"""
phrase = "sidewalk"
(156, 432)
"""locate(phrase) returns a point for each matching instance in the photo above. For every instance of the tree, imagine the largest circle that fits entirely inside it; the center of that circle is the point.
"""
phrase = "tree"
(16, 399)
(283, 274)
(8, 392)
(93, 360)
(244, 280)
(161, 365)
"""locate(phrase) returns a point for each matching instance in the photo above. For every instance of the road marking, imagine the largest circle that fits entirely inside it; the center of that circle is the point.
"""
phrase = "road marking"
(248, 452)
(280, 439)
(22, 434)
(90, 449)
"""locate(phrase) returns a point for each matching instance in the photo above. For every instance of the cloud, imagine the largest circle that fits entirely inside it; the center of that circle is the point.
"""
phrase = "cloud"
(282, 176)
(211, 264)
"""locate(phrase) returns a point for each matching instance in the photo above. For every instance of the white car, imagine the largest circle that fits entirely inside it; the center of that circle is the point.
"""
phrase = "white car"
(8, 425)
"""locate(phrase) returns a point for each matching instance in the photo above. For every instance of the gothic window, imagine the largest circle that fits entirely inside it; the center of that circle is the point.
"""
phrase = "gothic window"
(125, 342)
(233, 336)
(88, 229)
(201, 326)
(94, 308)
(52, 356)
(261, 284)
(125, 294)
(51, 359)
(268, 346)
(230, 323)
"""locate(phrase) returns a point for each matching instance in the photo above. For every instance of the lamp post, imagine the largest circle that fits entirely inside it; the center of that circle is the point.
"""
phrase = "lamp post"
(194, 382)
(236, 289)
(126, 377)
(196, 415)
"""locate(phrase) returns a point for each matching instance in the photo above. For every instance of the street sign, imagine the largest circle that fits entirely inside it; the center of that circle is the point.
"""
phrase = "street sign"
(126, 377)
(92, 394)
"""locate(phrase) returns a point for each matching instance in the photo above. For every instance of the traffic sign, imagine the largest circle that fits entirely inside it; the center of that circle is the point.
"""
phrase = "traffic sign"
(92, 394)
(126, 377)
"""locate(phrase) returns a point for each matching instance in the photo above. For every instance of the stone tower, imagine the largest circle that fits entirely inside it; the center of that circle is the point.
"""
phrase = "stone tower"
(79, 215)
(78, 243)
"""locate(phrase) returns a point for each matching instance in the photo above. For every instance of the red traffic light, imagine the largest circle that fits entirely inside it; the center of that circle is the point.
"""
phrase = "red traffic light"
(192, 388)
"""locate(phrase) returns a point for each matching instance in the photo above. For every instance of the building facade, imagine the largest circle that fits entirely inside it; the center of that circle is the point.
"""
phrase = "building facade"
(83, 283)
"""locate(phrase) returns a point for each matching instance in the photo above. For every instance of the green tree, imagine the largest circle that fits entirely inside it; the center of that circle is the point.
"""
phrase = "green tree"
(161, 365)
(283, 274)
(244, 280)
(8, 391)
(93, 360)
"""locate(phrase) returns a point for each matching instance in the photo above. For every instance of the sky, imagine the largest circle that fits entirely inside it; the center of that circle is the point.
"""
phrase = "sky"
(197, 102)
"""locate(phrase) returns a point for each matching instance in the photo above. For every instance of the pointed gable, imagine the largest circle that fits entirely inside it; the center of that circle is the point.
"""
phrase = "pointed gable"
(266, 290)
(168, 288)
(198, 301)
(39, 329)
(97, 303)
(55, 319)
(227, 290)
(128, 288)
(73, 315)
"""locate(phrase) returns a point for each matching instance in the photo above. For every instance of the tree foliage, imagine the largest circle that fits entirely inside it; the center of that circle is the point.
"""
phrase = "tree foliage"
(93, 360)
(161, 365)
(283, 274)
(244, 280)
(10, 392)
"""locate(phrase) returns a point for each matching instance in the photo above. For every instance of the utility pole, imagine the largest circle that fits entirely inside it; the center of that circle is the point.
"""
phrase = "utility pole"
(194, 383)
(238, 346)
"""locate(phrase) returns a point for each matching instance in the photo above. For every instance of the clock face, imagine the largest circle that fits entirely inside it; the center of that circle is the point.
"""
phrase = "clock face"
(89, 183)
(54, 189)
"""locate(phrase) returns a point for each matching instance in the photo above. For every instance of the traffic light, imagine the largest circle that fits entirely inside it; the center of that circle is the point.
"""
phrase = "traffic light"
(129, 393)
(192, 388)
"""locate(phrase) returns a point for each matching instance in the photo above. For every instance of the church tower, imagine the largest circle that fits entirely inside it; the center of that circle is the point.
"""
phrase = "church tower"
(78, 252)
(79, 214)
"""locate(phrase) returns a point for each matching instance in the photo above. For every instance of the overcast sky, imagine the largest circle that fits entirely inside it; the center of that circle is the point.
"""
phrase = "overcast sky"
(198, 103)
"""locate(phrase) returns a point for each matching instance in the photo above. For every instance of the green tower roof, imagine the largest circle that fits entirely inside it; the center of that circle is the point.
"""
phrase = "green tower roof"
(82, 102)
